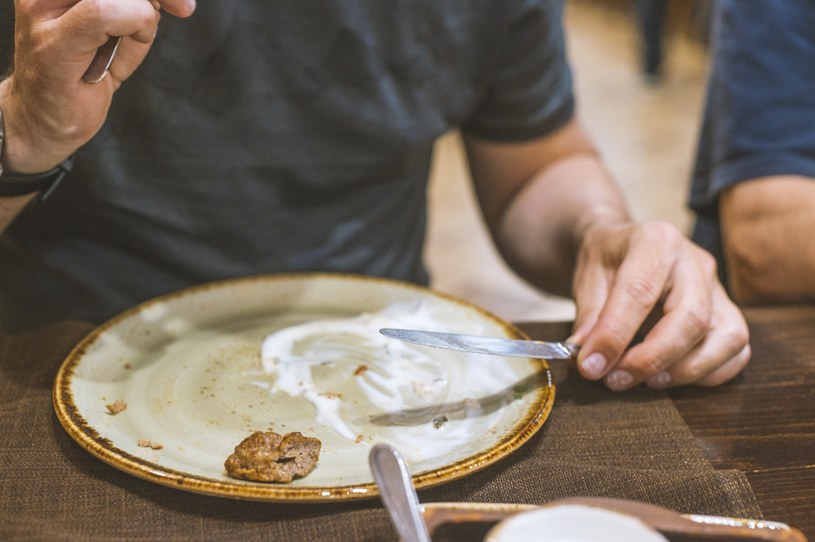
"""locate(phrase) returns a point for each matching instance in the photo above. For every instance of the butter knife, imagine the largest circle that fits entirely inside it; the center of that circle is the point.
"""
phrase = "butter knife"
(485, 345)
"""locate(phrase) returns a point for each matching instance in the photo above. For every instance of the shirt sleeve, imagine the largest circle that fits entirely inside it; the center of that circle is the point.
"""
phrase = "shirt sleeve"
(529, 89)
(760, 112)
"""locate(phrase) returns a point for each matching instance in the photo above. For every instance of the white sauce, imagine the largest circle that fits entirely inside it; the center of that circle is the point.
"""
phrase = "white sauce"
(402, 381)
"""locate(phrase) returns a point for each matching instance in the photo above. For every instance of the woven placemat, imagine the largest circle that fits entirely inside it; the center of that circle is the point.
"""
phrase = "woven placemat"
(596, 443)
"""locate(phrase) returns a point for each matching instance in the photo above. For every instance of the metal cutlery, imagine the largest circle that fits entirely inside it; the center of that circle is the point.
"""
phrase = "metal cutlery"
(485, 345)
(398, 493)
(100, 65)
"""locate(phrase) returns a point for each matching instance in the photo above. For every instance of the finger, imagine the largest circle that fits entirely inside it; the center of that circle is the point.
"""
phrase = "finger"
(128, 58)
(724, 352)
(727, 371)
(704, 360)
(179, 8)
(591, 286)
(686, 320)
(89, 23)
(589, 291)
(638, 285)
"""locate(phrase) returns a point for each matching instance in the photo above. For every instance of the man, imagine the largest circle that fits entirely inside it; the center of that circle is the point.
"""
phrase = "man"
(262, 137)
(753, 187)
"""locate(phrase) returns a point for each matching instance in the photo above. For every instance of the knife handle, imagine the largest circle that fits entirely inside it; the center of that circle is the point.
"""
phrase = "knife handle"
(100, 65)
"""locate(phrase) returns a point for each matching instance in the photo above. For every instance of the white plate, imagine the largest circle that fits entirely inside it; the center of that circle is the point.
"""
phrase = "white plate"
(188, 366)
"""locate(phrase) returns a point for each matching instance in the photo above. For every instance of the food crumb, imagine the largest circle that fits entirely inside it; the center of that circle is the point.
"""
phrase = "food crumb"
(440, 422)
(360, 370)
(116, 407)
(144, 443)
(359, 439)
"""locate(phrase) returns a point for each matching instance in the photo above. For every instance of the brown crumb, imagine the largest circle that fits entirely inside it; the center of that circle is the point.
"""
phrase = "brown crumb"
(359, 439)
(361, 370)
(272, 457)
(117, 406)
(144, 443)
(331, 395)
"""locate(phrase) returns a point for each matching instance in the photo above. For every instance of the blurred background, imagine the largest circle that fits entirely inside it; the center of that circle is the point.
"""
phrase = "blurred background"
(640, 68)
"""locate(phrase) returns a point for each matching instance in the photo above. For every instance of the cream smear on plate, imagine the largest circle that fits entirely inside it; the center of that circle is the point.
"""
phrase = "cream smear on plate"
(426, 400)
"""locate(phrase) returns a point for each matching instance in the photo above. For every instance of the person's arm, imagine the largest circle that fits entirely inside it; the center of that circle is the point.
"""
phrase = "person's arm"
(48, 111)
(560, 221)
(767, 226)
(753, 188)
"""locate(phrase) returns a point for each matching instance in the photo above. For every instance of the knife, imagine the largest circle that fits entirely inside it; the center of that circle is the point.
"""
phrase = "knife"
(485, 345)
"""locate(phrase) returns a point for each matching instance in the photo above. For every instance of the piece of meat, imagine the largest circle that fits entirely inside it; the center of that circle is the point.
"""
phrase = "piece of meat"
(272, 457)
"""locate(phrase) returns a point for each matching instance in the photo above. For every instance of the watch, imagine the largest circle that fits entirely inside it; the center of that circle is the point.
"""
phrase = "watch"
(18, 184)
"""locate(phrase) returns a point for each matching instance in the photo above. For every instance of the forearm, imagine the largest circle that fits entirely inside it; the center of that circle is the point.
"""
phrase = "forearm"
(767, 227)
(542, 229)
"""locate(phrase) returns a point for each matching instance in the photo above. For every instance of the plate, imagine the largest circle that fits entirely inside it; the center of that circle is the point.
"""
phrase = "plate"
(188, 367)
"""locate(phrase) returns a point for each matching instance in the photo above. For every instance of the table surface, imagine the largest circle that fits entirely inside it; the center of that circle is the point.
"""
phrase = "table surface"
(762, 424)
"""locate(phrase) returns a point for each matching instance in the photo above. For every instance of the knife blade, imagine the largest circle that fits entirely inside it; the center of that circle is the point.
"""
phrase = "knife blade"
(485, 345)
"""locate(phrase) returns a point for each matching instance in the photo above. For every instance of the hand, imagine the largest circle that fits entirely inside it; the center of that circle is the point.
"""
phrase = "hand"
(626, 272)
(49, 111)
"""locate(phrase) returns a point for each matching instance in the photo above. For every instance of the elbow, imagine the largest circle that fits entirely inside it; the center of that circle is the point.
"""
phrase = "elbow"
(757, 274)
(747, 280)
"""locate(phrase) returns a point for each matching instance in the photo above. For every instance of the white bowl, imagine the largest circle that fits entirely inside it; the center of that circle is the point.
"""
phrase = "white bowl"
(572, 523)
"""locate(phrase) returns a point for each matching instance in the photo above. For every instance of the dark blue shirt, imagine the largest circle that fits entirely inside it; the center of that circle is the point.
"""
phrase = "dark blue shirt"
(263, 137)
(760, 112)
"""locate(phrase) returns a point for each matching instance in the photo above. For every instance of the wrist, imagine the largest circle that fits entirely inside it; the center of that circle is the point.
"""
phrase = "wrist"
(24, 150)
(21, 185)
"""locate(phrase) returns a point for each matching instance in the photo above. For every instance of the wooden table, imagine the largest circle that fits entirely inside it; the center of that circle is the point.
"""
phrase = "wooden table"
(762, 423)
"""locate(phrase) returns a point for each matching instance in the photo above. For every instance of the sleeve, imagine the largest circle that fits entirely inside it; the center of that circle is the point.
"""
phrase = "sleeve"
(529, 89)
(760, 112)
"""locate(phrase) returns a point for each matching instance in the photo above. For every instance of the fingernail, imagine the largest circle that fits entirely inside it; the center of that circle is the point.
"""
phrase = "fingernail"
(619, 380)
(191, 5)
(594, 365)
(659, 380)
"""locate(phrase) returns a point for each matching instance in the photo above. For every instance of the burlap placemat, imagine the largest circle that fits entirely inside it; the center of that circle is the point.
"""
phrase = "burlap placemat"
(595, 443)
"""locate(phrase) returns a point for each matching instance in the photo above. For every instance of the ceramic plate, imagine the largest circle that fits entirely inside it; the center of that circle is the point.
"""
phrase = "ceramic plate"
(189, 368)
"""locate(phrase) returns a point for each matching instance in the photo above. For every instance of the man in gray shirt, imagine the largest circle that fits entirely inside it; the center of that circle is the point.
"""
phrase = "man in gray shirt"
(260, 137)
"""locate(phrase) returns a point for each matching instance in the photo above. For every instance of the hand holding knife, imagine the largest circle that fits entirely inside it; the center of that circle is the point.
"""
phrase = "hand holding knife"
(100, 65)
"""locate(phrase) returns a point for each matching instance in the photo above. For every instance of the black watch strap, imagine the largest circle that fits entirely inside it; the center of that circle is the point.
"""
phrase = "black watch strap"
(18, 184)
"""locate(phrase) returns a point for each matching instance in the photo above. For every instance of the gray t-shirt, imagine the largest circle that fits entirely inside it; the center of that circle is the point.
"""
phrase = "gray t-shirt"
(263, 137)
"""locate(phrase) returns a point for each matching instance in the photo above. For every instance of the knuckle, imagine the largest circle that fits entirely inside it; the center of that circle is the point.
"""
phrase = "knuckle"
(697, 321)
(643, 291)
(736, 339)
(662, 233)
(650, 366)
(97, 10)
(610, 341)
(708, 262)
